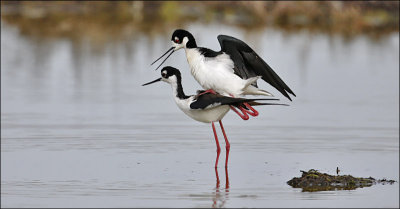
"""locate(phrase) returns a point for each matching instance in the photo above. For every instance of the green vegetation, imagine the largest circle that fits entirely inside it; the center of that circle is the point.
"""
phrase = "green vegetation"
(313, 180)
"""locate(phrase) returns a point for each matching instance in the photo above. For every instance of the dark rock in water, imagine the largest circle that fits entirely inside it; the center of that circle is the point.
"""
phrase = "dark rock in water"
(312, 181)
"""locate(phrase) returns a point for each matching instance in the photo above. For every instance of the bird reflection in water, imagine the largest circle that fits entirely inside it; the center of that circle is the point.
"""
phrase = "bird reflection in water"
(220, 198)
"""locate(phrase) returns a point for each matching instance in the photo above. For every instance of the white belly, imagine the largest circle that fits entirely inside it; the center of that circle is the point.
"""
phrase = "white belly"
(209, 115)
(215, 73)
(206, 115)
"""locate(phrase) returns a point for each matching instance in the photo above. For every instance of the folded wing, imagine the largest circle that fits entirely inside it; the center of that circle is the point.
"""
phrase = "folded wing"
(209, 100)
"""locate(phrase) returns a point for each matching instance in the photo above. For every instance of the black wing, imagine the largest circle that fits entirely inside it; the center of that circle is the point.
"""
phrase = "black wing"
(249, 64)
(210, 100)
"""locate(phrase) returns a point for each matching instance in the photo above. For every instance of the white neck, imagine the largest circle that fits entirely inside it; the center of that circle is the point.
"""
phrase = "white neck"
(174, 87)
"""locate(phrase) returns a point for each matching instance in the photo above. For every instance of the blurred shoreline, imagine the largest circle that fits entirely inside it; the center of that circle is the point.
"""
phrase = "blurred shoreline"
(103, 21)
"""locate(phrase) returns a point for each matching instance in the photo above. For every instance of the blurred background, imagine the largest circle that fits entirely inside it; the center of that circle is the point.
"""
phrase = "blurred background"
(85, 44)
(112, 20)
(78, 129)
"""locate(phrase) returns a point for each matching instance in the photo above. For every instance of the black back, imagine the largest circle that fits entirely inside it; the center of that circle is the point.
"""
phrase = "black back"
(205, 100)
(208, 52)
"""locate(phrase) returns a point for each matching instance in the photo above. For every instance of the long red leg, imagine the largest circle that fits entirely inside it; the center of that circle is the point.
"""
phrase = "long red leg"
(216, 141)
(253, 113)
(244, 116)
(227, 145)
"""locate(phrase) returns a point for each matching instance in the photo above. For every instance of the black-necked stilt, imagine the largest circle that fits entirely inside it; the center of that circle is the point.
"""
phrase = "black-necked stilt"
(204, 107)
(233, 71)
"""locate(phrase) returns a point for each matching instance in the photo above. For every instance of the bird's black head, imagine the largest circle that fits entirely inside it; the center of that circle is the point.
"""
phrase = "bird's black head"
(168, 74)
(182, 38)
(172, 76)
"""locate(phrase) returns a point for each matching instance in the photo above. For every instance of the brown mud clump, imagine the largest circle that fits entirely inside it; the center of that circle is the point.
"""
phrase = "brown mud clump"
(312, 181)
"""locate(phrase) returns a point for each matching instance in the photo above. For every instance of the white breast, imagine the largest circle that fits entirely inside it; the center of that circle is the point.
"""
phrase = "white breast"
(215, 73)
(207, 115)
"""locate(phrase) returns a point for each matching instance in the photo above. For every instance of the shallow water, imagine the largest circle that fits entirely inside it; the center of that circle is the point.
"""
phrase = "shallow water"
(79, 130)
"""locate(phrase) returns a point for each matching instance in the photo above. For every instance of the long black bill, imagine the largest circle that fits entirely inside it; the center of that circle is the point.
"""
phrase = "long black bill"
(158, 79)
(171, 49)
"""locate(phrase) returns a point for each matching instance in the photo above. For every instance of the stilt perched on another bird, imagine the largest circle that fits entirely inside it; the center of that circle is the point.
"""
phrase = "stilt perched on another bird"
(233, 71)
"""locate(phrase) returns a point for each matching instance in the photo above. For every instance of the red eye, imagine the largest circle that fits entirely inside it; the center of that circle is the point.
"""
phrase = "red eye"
(176, 40)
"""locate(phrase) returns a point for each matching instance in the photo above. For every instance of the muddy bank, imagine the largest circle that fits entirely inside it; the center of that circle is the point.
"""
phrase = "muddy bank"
(313, 180)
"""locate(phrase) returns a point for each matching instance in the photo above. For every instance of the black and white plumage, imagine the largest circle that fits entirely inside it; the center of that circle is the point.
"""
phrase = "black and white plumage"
(232, 71)
(204, 107)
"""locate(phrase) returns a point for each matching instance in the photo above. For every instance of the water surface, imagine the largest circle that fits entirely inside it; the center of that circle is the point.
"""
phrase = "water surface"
(79, 130)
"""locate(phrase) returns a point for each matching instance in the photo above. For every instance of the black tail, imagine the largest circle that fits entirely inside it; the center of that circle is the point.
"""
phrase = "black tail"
(254, 102)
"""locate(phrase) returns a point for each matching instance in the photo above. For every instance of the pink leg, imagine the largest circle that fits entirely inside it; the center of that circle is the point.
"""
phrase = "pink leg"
(254, 113)
(227, 145)
(207, 91)
(244, 116)
(217, 177)
(216, 141)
